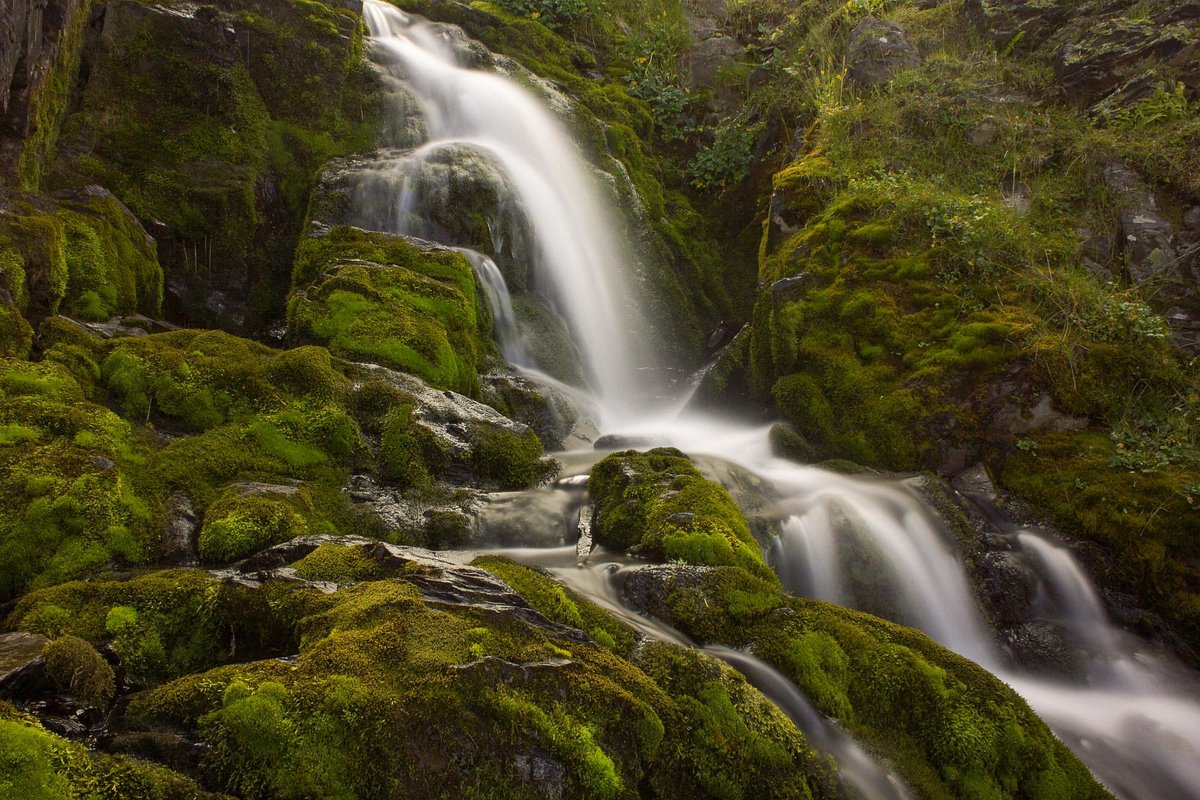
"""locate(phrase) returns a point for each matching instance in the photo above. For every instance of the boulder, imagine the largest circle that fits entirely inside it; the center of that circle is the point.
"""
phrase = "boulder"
(878, 50)
(20, 660)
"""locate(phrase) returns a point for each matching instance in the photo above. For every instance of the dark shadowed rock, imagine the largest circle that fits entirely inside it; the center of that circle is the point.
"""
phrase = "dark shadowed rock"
(179, 536)
(878, 50)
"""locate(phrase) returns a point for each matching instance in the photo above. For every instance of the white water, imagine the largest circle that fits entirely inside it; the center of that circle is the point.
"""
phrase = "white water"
(579, 264)
(1134, 718)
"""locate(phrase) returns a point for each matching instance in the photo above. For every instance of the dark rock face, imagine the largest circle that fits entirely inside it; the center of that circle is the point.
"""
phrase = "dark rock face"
(1004, 20)
(179, 536)
(32, 35)
(1111, 57)
(878, 50)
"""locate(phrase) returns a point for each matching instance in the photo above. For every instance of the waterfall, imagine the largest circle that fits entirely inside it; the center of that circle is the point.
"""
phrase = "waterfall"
(1134, 718)
(577, 256)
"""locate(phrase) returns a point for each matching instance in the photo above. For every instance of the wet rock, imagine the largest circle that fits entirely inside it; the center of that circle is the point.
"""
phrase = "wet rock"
(619, 441)
(20, 662)
(1040, 646)
(648, 589)
(455, 422)
(878, 50)
(584, 544)
(1009, 585)
(561, 419)
(440, 518)
(179, 536)
(440, 578)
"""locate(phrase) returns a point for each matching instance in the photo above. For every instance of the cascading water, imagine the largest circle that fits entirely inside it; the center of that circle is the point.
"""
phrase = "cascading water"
(1133, 717)
(577, 260)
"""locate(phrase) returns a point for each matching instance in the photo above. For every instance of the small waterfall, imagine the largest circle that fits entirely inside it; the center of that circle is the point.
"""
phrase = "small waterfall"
(857, 770)
(578, 258)
(599, 582)
(504, 320)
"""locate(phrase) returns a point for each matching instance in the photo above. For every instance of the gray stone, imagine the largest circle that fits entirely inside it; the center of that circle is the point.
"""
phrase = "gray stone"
(878, 50)
(20, 655)
(179, 536)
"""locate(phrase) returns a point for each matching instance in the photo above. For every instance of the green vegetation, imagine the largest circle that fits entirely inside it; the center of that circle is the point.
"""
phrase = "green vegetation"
(561, 604)
(412, 308)
(39, 765)
(219, 137)
(931, 286)
(85, 256)
(76, 668)
(949, 727)
(658, 504)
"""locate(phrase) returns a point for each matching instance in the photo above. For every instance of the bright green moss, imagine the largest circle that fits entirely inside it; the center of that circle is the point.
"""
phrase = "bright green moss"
(38, 765)
(561, 604)
(67, 504)
(412, 308)
(75, 668)
(337, 564)
(660, 504)
(509, 460)
(239, 525)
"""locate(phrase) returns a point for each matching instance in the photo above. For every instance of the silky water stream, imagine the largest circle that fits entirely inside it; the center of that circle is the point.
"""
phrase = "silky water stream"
(1131, 714)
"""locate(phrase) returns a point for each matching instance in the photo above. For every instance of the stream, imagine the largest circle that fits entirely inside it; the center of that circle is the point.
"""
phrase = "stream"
(1130, 714)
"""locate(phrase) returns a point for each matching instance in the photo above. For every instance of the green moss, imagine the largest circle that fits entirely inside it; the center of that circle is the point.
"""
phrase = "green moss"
(75, 667)
(337, 564)
(660, 504)
(561, 604)
(509, 460)
(1146, 519)
(67, 503)
(39, 765)
(415, 309)
(223, 152)
(48, 99)
(240, 524)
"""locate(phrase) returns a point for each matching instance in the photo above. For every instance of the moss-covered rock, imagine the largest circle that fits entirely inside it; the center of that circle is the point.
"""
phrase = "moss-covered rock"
(395, 301)
(39, 765)
(501, 699)
(951, 728)
(218, 145)
(67, 501)
(82, 253)
(75, 667)
(660, 505)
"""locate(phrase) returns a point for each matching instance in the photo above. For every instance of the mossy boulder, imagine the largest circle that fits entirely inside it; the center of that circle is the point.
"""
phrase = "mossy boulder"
(446, 665)
(83, 253)
(242, 522)
(398, 302)
(949, 726)
(75, 667)
(68, 504)
(660, 505)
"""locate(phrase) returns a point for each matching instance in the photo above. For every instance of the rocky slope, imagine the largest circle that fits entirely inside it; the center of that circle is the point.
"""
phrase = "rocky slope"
(231, 423)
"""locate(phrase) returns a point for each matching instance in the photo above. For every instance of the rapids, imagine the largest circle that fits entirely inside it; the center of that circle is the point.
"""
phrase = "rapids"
(1132, 716)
